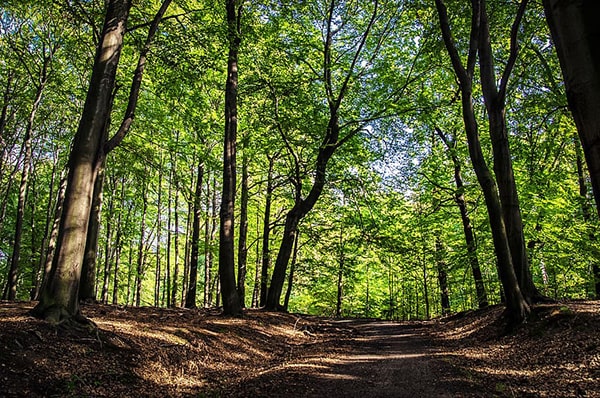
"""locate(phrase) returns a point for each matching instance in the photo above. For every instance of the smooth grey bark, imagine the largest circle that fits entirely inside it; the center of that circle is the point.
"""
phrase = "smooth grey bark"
(59, 299)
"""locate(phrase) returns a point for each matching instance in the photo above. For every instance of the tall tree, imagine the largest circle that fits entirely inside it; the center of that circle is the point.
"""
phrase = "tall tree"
(575, 33)
(59, 299)
(495, 101)
(459, 198)
(336, 87)
(516, 305)
(190, 298)
(231, 301)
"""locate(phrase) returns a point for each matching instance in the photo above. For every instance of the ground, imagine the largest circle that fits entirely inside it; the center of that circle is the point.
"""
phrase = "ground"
(150, 352)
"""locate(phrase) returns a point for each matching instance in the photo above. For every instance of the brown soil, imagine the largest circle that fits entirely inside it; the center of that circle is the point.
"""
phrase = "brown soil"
(150, 352)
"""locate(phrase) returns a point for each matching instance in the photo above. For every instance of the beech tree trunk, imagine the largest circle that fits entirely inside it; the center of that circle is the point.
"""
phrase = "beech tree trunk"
(190, 298)
(242, 239)
(59, 299)
(442, 269)
(495, 101)
(10, 292)
(576, 34)
(266, 237)
(459, 198)
(517, 308)
(44, 245)
(231, 301)
(331, 141)
(141, 267)
(290, 284)
(87, 290)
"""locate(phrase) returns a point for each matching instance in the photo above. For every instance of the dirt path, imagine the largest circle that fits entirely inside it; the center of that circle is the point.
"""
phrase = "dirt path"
(384, 359)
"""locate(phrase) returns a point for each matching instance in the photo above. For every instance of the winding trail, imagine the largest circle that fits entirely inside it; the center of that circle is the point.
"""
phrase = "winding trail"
(384, 359)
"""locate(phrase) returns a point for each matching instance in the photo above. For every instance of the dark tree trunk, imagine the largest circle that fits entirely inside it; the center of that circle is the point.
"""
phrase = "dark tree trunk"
(266, 237)
(517, 308)
(587, 215)
(231, 301)
(13, 273)
(459, 198)
(290, 284)
(442, 268)
(119, 243)
(141, 269)
(495, 99)
(44, 246)
(576, 34)
(340, 276)
(331, 141)
(257, 265)
(175, 288)
(242, 240)
(108, 245)
(190, 298)
(158, 276)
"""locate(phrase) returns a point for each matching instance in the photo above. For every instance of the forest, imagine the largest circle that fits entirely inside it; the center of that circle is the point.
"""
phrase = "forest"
(394, 159)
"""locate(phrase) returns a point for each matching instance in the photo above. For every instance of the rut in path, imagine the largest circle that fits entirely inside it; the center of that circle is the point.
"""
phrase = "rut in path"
(385, 359)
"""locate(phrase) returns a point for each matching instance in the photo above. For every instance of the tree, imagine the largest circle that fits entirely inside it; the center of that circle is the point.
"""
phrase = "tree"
(231, 302)
(59, 299)
(575, 33)
(517, 308)
(336, 85)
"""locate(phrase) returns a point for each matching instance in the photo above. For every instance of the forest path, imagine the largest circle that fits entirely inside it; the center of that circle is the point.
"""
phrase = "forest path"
(383, 359)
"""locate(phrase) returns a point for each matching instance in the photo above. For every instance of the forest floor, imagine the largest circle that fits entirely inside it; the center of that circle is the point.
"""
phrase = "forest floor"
(150, 352)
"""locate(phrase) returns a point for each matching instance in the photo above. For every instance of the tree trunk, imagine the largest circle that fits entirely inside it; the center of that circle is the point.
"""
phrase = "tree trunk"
(119, 243)
(13, 273)
(44, 246)
(242, 239)
(157, 279)
(257, 265)
(266, 239)
(517, 308)
(141, 252)
(231, 301)
(207, 249)
(59, 299)
(290, 284)
(340, 276)
(587, 215)
(87, 290)
(442, 269)
(190, 298)
(576, 33)
(167, 284)
(108, 247)
(175, 288)
(495, 99)
(459, 198)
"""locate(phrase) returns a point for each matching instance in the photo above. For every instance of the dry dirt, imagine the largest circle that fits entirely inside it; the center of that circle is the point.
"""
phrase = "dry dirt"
(150, 352)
